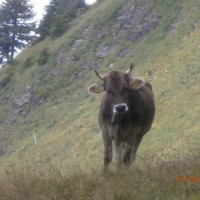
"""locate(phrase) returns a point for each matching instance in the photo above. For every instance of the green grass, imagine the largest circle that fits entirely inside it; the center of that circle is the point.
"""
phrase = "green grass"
(69, 149)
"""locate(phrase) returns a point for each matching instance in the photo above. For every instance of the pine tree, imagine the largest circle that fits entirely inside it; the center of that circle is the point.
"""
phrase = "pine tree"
(44, 28)
(59, 26)
(59, 13)
(15, 27)
(4, 44)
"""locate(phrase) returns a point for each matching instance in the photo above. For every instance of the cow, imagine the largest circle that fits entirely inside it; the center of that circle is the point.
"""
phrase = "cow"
(126, 114)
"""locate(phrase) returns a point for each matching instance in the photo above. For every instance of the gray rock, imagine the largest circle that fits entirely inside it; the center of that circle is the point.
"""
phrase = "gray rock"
(150, 25)
(77, 44)
(105, 51)
(135, 36)
(122, 34)
(125, 52)
(55, 71)
(1, 152)
(24, 99)
(22, 104)
(102, 33)
(89, 30)
(174, 25)
(93, 65)
(62, 58)
(134, 21)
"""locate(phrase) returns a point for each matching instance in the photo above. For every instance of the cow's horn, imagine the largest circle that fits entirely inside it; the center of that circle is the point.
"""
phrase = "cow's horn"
(130, 69)
(98, 75)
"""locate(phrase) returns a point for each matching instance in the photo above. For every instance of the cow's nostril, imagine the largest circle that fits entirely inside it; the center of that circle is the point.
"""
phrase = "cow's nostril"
(120, 108)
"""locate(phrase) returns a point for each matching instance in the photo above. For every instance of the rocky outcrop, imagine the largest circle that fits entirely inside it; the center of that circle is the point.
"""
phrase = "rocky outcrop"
(89, 30)
(105, 50)
(1, 151)
(125, 52)
(77, 44)
(174, 25)
(4, 138)
(134, 21)
(102, 32)
(22, 104)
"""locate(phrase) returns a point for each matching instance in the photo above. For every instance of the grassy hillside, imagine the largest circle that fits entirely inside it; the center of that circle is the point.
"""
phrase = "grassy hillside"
(50, 100)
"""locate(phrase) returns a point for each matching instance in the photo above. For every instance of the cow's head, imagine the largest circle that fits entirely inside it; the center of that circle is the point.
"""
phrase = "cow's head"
(117, 85)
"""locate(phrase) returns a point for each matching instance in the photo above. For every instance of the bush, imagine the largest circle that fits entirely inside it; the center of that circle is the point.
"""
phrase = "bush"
(59, 27)
(6, 78)
(43, 57)
(28, 62)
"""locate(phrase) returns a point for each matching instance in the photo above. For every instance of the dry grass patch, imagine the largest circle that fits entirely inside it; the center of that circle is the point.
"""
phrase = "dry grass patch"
(163, 180)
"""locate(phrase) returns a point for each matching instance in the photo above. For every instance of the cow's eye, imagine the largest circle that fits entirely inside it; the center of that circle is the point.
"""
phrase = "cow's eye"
(110, 92)
(124, 90)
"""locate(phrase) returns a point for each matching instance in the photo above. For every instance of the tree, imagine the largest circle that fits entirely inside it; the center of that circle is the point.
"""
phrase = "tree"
(52, 9)
(4, 43)
(59, 13)
(16, 27)
(58, 27)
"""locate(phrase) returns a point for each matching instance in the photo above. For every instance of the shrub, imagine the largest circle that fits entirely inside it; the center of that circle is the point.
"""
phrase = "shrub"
(6, 78)
(59, 27)
(43, 57)
(28, 62)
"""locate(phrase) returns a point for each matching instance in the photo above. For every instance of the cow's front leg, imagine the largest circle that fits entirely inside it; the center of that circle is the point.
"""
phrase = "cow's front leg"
(108, 152)
(130, 148)
(134, 149)
(128, 154)
(118, 153)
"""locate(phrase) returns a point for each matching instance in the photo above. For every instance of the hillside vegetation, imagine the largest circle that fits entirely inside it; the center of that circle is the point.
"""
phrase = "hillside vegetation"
(43, 93)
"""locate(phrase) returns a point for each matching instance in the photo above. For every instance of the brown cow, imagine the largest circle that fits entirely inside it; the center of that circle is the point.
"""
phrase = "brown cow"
(126, 114)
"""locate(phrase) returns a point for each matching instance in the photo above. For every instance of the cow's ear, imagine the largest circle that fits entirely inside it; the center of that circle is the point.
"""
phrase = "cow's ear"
(96, 88)
(136, 83)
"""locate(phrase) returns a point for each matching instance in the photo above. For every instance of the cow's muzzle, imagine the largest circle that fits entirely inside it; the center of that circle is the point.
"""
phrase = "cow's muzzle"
(117, 110)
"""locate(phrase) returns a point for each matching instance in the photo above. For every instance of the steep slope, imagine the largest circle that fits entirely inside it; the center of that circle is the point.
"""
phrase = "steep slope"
(50, 100)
